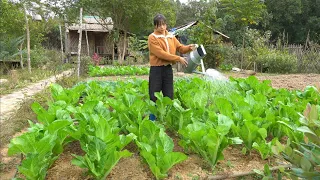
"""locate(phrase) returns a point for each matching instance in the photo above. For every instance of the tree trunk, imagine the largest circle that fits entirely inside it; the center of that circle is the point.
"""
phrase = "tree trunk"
(79, 45)
(21, 58)
(120, 61)
(124, 46)
(28, 39)
(62, 56)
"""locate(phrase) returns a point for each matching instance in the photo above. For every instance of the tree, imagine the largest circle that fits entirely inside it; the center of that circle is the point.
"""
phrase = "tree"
(134, 16)
(245, 12)
(235, 16)
(15, 14)
(284, 15)
(295, 20)
(11, 20)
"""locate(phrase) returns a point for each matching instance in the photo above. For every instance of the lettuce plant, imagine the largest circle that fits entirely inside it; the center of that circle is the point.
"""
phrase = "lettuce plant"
(156, 147)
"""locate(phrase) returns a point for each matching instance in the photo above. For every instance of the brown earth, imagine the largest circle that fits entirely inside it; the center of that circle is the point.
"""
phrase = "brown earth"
(288, 81)
(193, 168)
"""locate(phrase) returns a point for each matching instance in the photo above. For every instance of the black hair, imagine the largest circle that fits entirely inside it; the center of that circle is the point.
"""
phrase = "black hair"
(159, 19)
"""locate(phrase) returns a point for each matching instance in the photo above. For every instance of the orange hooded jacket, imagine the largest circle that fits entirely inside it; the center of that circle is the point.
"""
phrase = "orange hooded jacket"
(163, 48)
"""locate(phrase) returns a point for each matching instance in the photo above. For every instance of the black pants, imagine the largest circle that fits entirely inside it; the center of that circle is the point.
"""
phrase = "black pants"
(161, 79)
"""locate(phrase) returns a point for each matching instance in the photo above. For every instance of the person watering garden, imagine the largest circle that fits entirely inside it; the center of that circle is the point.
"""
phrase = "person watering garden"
(162, 54)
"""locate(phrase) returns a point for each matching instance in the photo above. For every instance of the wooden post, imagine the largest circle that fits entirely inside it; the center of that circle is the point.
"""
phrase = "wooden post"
(79, 44)
(242, 54)
(112, 52)
(21, 58)
(61, 44)
(28, 39)
(88, 50)
(66, 40)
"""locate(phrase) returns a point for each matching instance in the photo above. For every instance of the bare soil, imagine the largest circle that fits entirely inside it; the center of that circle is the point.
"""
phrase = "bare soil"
(288, 81)
(193, 168)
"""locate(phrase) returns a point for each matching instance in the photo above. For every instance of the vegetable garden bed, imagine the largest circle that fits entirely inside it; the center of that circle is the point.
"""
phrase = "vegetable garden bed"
(206, 124)
(95, 71)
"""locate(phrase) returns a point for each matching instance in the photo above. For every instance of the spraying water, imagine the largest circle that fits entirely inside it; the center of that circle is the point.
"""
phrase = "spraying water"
(194, 59)
(213, 74)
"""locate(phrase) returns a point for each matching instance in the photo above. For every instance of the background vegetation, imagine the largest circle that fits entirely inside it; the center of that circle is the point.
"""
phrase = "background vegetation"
(260, 32)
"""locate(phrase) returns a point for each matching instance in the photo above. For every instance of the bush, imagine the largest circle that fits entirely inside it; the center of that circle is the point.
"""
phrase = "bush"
(222, 55)
(45, 58)
(277, 62)
(86, 61)
(38, 57)
(137, 57)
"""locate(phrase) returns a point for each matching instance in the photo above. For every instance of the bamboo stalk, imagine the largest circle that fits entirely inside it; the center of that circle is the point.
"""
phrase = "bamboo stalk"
(244, 173)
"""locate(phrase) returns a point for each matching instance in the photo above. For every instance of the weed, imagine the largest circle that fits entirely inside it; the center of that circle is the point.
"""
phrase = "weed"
(229, 164)
(195, 177)
(177, 176)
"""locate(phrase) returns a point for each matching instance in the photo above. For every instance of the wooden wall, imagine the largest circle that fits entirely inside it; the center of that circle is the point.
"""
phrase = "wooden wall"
(103, 40)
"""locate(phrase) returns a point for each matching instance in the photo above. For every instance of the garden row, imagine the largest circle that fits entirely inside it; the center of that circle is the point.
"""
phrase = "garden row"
(207, 116)
(117, 70)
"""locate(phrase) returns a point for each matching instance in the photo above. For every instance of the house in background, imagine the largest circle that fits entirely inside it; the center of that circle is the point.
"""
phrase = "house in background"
(97, 37)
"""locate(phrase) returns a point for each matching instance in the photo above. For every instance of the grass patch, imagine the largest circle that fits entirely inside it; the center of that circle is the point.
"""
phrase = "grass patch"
(20, 78)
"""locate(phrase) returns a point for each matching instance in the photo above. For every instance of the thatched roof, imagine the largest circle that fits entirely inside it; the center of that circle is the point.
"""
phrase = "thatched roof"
(93, 23)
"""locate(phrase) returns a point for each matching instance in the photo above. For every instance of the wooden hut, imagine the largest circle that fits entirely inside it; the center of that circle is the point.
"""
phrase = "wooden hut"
(97, 37)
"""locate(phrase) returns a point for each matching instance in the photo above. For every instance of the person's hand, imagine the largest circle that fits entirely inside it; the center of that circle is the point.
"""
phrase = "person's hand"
(193, 46)
(183, 61)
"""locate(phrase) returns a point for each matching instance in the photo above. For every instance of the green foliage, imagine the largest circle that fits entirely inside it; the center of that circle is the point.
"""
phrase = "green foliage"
(117, 70)
(45, 58)
(128, 16)
(38, 57)
(274, 61)
(304, 155)
(235, 16)
(266, 173)
(221, 56)
(86, 62)
(156, 147)
(38, 30)
(225, 67)
(11, 20)
(258, 50)
(106, 116)
(102, 143)
(245, 12)
(294, 19)
(207, 140)
(137, 48)
(9, 49)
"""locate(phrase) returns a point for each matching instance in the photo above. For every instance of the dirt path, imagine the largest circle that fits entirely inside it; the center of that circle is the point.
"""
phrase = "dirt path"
(11, 102)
